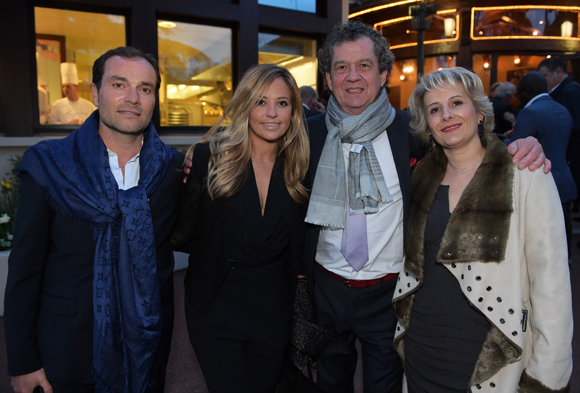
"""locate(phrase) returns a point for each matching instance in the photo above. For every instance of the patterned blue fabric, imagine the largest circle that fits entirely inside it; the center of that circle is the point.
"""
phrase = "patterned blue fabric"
(74, 175)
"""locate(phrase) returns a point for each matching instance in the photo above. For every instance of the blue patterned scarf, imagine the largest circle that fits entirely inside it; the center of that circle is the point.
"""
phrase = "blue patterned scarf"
(74, 175)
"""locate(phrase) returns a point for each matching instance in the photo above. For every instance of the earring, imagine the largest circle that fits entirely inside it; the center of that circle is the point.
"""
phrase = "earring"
(480, 129)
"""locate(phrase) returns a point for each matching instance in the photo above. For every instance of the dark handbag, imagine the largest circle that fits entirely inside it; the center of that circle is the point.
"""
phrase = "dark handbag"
(307, 342)
(293, 380)
(307, 339)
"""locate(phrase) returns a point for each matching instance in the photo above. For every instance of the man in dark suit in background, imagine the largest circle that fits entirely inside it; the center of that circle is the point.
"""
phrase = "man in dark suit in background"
(310, 102)
(502, 109)
(565, 91)
(362, 146)
(89, 297)
(542, 117)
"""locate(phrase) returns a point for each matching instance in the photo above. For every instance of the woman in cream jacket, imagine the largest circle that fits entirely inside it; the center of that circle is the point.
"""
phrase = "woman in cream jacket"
(502, 257)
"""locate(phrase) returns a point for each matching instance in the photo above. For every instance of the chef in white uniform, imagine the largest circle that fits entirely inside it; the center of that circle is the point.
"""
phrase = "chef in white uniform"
(71, 109)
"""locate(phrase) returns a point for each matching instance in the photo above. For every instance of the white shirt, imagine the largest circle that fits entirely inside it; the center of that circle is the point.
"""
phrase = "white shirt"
(132, 171)
(65, 110)
(384, 228)
(555, 87)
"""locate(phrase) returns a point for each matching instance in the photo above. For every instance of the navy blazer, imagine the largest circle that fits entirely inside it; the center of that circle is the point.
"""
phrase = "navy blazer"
(403, 146)
(551, 124)
(49, 292)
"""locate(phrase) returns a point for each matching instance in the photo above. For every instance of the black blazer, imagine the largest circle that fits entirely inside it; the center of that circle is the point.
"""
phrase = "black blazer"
(403, 146)
(199, 232)
(48, 304)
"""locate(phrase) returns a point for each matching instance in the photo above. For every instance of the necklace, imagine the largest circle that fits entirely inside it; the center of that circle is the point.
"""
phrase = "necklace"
(262, 162)
(461, 171)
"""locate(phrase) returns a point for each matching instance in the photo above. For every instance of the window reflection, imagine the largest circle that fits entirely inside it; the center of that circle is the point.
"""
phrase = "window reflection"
(299, 5)
(296, 54)
(399, 32)
(67, 44)
(196, 73)
(525, 22)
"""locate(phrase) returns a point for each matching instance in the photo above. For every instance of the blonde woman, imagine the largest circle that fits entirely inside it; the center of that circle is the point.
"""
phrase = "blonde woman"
(242, 221)
(483, 302)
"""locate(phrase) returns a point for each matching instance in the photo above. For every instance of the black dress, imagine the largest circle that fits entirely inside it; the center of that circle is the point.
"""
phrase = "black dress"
(445, 333)
(241, 340)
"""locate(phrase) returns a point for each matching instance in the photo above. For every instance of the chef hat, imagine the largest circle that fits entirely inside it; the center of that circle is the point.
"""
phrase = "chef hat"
(68, 73)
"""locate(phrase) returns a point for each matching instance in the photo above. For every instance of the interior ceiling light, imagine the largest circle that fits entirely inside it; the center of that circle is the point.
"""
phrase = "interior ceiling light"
(167, 24)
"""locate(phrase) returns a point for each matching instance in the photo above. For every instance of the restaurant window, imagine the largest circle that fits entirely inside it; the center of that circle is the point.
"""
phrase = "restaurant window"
(404, 77)
(67, 45)
(296, 54)
(298, 5)
(525, 22)
(195, 62)
(400, 33)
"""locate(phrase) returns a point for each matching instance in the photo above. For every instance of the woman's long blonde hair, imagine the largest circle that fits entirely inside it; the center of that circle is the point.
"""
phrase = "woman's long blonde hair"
(230, 139)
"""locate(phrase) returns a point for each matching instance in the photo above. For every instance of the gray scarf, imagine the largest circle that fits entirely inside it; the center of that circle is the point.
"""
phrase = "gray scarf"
(367, 189)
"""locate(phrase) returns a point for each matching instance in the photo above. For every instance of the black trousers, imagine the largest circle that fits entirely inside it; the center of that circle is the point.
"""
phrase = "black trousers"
(241, 342)
(366, 314)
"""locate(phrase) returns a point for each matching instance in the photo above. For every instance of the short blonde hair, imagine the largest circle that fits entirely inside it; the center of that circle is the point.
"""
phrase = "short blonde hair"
(231, 143)
(441, 80)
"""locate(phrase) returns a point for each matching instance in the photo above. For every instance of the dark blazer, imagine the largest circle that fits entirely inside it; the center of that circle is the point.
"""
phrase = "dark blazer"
(404, 147)
(551, 124)
(500, 107)
(199, 232)
(310, 112)
(568, 94)
(48, 303)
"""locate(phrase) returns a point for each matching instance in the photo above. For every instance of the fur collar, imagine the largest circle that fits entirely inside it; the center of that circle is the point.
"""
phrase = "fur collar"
(478, 229)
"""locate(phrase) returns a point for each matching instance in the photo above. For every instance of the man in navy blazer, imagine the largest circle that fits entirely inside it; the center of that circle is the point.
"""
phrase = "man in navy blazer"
(551, 123)
(565, 91)
(89, 295)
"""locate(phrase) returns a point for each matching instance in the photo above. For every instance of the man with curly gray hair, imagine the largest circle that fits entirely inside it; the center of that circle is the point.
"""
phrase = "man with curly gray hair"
(358, 210)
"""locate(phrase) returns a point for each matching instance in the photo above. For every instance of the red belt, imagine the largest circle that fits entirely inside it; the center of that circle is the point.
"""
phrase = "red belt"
(358, 283)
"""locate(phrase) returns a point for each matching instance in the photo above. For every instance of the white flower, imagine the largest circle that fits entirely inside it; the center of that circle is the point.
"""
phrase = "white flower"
(4, 219)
